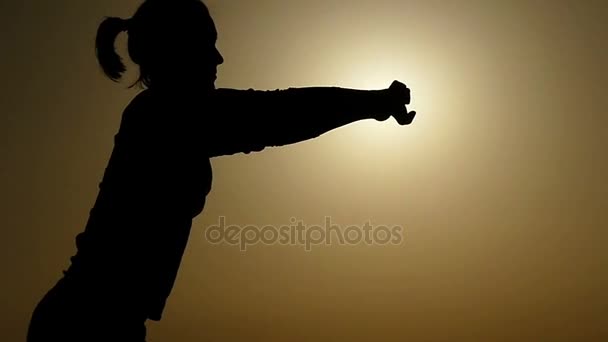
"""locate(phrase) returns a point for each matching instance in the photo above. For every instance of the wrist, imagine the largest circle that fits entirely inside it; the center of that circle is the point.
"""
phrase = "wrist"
(382, 109)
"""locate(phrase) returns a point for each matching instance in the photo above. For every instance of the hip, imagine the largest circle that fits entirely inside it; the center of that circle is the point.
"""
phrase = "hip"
(68, 312)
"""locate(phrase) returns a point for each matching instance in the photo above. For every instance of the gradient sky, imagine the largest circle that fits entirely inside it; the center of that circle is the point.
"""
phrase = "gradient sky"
(499, 183)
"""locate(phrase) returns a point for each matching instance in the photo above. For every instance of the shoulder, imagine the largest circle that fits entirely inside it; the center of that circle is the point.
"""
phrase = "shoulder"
(145, 106)
(142, 101)
(138, 116)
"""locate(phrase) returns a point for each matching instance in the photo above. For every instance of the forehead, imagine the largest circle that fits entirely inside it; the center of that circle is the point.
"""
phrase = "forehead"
(198, 21)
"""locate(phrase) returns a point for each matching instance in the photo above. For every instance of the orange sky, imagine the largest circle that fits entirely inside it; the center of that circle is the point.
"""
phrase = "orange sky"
(499, 183)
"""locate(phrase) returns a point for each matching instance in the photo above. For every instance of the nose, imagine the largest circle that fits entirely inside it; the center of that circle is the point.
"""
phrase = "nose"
(219, 59)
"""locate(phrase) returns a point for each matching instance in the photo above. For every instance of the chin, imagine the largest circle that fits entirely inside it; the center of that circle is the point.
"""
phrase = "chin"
(207, 82)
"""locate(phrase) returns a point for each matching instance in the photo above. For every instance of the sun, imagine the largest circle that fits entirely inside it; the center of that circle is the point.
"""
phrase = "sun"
(373, 133)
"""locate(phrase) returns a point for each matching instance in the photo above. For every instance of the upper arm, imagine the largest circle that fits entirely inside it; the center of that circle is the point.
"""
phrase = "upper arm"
(240, 121)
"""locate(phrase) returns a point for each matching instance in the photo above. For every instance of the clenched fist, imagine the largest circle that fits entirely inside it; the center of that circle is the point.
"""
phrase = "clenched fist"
(398, 96)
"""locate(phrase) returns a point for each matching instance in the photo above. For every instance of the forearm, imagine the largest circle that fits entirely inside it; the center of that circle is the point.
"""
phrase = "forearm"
(281, 117)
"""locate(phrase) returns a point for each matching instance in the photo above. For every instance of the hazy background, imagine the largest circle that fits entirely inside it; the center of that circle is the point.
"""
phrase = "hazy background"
(499, 183)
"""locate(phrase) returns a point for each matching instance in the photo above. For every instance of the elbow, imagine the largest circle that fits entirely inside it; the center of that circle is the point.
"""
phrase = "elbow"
(232, 149)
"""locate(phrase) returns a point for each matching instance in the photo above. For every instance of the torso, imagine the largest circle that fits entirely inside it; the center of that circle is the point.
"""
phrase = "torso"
(155, 183)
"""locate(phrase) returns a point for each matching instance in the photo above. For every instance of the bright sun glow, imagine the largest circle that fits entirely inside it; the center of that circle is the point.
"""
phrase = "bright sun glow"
(387, 133)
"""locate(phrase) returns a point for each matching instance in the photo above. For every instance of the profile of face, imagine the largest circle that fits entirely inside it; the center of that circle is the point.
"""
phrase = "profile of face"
(196, 49)
(174, 42)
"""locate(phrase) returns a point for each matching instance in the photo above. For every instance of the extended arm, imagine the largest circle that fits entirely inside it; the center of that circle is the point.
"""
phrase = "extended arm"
(251, 120)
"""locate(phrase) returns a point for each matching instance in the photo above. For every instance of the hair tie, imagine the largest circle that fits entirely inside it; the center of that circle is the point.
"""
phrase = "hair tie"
(126, 24)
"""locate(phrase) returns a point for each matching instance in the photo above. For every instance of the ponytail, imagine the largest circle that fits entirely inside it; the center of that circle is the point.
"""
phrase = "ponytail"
(108, 59)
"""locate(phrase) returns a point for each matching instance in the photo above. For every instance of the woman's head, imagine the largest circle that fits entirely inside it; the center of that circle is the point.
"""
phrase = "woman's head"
(170, 40)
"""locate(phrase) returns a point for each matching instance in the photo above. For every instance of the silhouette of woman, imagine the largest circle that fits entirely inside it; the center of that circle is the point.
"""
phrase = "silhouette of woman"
(159, 172)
